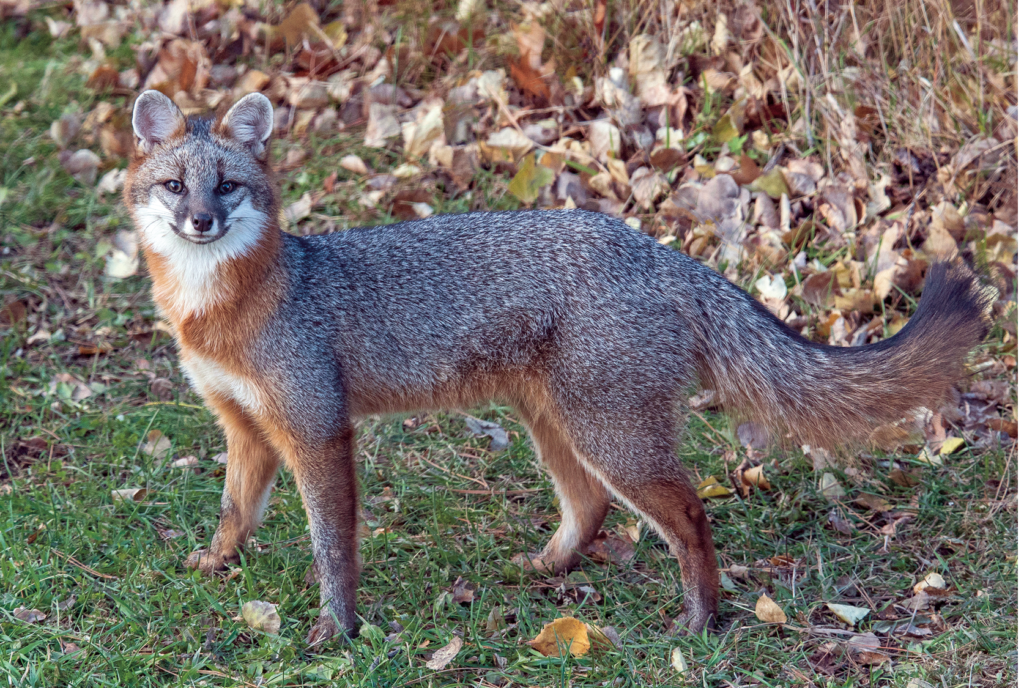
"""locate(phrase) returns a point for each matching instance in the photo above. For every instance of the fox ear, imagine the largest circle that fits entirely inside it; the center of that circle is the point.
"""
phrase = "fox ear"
(155, 119)
(250, 121)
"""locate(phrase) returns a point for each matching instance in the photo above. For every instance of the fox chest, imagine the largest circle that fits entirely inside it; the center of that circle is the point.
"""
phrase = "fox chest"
(210, 378)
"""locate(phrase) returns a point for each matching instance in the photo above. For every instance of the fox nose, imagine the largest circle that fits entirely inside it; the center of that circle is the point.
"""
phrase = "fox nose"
(202, 222)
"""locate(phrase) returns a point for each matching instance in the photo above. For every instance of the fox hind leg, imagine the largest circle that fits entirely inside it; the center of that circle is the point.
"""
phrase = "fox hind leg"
(635, 458)
(583, 499)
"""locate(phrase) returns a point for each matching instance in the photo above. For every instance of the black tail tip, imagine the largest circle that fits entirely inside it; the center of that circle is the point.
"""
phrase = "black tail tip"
(955, 294)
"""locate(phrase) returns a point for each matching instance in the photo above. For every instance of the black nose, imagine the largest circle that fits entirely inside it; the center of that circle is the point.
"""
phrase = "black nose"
(202, 222)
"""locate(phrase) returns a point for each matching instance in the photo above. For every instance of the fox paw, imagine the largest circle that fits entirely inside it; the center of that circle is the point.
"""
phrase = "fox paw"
(692, 624)
(534, 563)
(324, 630)
(206, 561)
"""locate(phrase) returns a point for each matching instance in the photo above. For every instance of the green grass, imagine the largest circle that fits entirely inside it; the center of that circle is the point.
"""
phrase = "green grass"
(114, 588)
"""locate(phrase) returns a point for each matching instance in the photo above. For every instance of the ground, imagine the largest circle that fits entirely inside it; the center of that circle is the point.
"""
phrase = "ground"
(110, 473)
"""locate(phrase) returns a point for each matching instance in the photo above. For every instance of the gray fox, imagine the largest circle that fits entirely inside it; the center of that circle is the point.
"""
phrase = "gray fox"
(591, 330)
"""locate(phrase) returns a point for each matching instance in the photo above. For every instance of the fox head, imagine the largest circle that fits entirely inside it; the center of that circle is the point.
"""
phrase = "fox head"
(199, 182)
(201, 194)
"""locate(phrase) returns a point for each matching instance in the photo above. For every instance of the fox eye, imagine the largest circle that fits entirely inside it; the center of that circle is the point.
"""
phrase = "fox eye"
(174, 186)
(227, 187)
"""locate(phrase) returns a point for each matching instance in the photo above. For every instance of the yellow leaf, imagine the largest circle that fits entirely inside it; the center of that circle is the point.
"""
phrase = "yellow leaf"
(755, 477)
(725, 129)
(678, 661)
(558, 634)
(766, 610)
(529, 180)
(262, 616)
(951, 445)
(772, 183)
(710, 487)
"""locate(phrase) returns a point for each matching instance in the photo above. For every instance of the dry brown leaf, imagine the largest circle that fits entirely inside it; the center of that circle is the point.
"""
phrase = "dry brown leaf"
(462, 591)
(754, 477)
(648, 185)
(425, 130)
(29, 615)
(446, 654)
(302, 22)
(933, 584)
(83, 165)
(561, 632)
(381, 125)
(768, 611)
(872, 502)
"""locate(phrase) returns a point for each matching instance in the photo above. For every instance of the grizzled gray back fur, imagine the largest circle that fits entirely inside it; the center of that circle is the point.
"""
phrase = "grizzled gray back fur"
(412, 310)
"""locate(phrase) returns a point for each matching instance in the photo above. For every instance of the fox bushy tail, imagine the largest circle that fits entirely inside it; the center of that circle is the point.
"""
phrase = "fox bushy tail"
(836, 396)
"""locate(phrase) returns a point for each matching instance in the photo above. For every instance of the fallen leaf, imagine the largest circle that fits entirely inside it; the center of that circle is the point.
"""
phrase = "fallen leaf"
(559, 633)
(300, 209)
(495, 620)
(951, 445)
(754, 477)
(830, 487)
(111, 182)
(354, 164)
(930, 584)
(772, 183)
(869, 657)
(446, 654)
(499, 438)
(29, 615)
(847, 613)
(529, 180)
(678, 661)
(768, 611)
(872, 502)
(604, 636)
(123, 260)
(169, 533)
(129, 494)
(64, 129)
(426, 129)
(82, 165)
(904, 478)
(262, 616)
(67, 386)
(710, 487)
(301, 22)
(463, 591)
(725, 129)
(605, 140)
(221, 458)
(608, 547)
(185, 462)
(648, 185)
(157, 444)
(381, 125)
(839, 522)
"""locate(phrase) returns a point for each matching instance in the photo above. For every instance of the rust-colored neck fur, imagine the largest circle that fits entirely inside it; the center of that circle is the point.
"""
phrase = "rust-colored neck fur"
(245, 291)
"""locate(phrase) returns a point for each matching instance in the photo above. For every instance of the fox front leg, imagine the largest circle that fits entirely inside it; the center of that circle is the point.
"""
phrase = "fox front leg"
(326, 475)
(252, 467)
